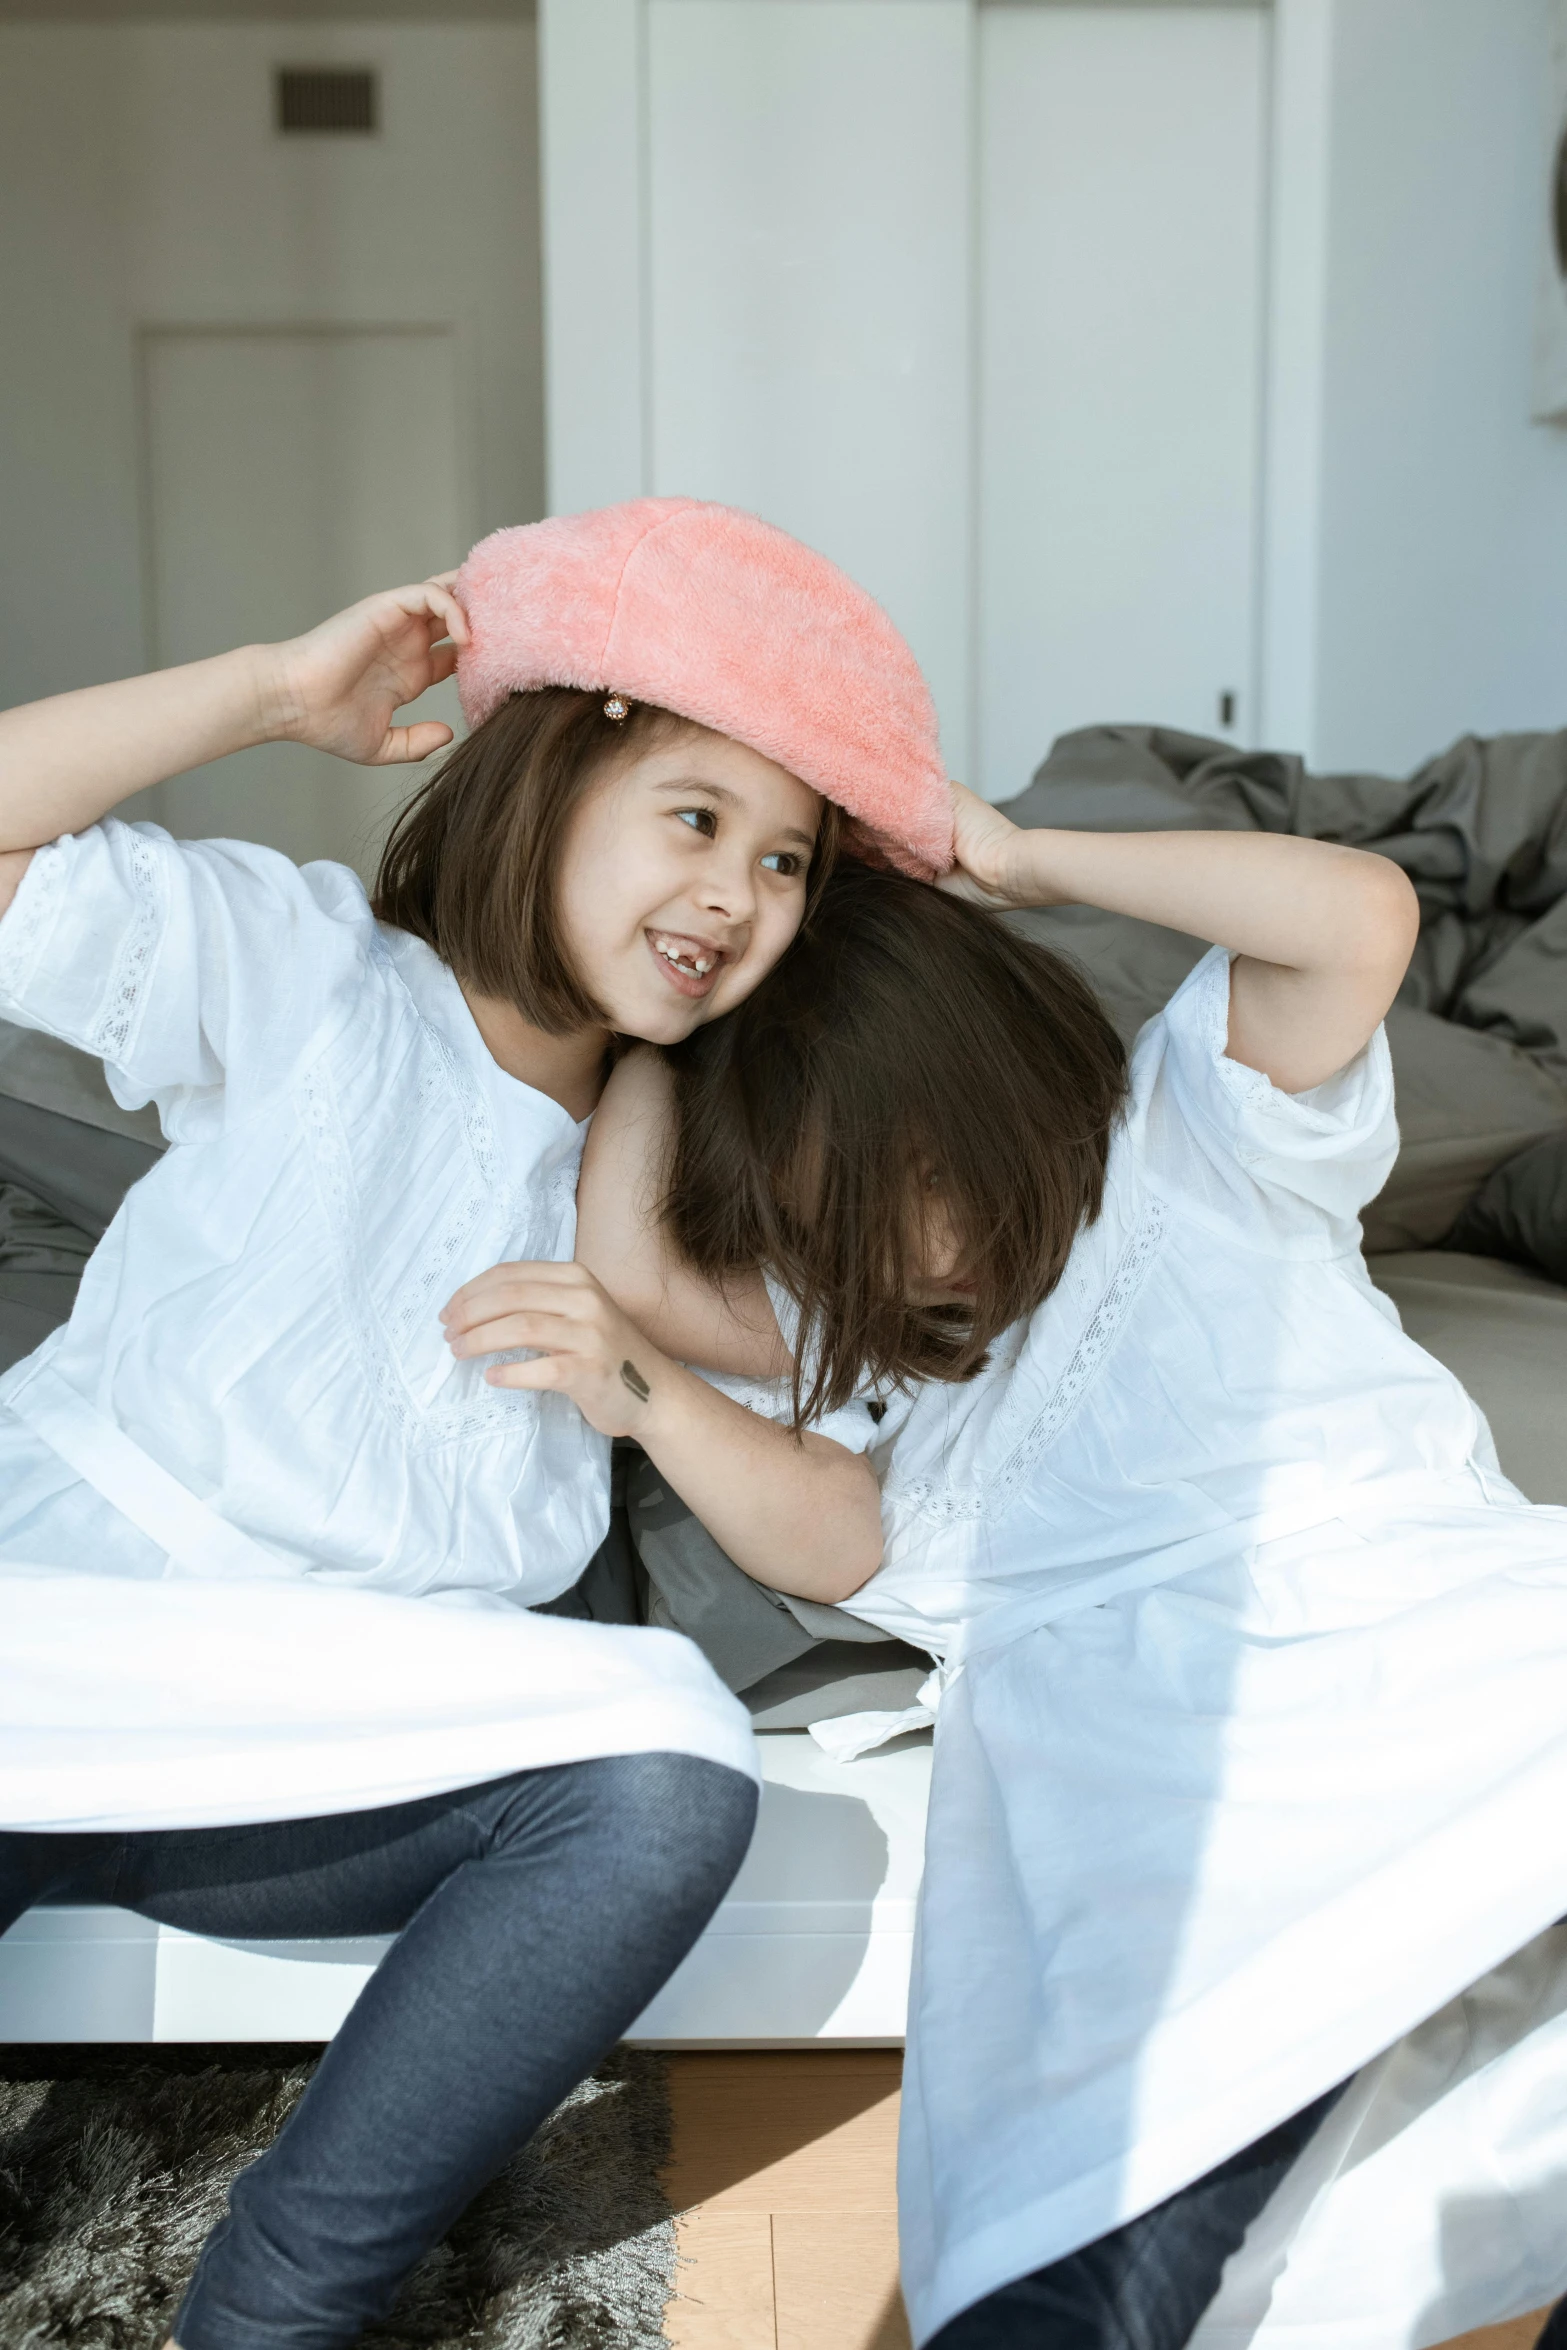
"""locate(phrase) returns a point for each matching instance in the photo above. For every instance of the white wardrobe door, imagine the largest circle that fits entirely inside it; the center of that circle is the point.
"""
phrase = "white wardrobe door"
(1121, 217)
(807, 257)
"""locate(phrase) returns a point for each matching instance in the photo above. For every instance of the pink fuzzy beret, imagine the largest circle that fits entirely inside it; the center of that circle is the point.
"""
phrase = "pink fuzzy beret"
(726, 620)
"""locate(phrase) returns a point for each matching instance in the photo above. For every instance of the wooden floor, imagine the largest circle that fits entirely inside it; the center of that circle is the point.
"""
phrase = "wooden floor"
(784, 2178)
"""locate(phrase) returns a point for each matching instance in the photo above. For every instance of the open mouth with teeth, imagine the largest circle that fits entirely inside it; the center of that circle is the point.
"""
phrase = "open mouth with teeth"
(691, 965)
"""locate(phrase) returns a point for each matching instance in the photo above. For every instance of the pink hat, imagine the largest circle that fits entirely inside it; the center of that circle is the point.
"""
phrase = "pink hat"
(726, 620)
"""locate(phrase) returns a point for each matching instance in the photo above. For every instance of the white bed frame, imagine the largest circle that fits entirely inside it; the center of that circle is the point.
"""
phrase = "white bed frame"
(812, 1945)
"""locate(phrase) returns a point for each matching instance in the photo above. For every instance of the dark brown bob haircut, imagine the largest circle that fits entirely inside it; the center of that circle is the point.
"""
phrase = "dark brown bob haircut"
(907, 1039)
(472, 863)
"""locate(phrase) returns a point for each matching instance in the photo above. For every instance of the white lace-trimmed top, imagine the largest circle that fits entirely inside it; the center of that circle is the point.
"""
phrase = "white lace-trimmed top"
(260, 1318)
(1214, 1369)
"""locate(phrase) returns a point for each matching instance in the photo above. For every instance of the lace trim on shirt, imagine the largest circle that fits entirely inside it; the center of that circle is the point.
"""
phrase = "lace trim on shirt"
(111, 1038)
(373, 1342)
(31, 915)
(445, 1074)
(526, 1218)
(935, 1498)
(530, 1227)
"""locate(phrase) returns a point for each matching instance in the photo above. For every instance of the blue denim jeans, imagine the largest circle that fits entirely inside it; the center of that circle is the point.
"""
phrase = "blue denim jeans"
(535, 1918)
(1145, 2286)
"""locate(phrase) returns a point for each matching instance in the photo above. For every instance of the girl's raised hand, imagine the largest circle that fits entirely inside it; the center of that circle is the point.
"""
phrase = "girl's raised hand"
(337, 687)
(986, 850)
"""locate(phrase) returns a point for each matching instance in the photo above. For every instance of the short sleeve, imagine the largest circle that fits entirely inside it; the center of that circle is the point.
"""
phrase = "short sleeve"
(195, 971)
(1290, 1171)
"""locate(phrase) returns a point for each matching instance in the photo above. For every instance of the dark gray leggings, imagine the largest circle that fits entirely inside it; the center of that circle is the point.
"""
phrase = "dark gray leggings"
(535, 1918)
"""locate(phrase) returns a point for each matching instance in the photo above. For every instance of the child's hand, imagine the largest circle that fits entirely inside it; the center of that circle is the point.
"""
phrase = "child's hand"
(985, 846)
(585, 1346)
(337, 687)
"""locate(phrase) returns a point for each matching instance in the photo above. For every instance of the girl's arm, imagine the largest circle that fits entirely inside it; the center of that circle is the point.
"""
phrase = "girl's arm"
(621, 1238)
(66, 762)
(1322, 935)
(799, 1513)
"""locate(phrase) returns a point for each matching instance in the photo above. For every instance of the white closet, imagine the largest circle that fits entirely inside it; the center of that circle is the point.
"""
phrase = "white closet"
(1120, 216)
(969, 296)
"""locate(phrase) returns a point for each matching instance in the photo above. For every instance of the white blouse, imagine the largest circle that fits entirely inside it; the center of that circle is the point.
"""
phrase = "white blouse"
(1214, 1369)
(260, 1317)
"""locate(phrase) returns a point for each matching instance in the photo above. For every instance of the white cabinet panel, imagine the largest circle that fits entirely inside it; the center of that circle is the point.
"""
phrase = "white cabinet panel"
(808, 289)
(1121, 215)
(279, 488)
(591, 106)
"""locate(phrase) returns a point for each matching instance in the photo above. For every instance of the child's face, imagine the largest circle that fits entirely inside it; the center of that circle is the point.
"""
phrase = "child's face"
(684, 880)
(937, 1275)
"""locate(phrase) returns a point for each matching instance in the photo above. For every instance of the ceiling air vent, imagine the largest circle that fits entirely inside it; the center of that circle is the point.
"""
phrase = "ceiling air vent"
(326, 98)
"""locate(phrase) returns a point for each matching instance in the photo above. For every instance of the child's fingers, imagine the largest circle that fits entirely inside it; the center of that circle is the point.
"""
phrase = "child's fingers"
(552, 1331)
(403, 746)
(542, 1374)
(561, 1285)
(435, 596)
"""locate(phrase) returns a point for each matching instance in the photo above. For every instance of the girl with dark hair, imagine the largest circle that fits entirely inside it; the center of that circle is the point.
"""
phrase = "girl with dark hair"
(1249, 1750)
(271, 1537)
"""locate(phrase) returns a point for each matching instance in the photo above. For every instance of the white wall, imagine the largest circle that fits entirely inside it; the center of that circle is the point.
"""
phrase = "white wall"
(70, 560)
(1441, 595)
(142, 185)
(1121, 173)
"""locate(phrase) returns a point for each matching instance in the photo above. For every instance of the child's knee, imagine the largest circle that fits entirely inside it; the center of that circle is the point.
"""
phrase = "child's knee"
(689, 1813)
(667, 1831)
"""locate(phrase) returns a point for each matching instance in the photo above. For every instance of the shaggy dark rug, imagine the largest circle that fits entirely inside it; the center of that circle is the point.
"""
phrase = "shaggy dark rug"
(115, 2163)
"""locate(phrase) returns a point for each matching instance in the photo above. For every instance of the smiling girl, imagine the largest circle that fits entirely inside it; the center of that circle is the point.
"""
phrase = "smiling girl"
(269, 1538)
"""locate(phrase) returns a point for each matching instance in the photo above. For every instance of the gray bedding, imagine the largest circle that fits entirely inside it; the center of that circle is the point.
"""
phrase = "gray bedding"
(1520, 1211)
(1479, 1033)
(60, 1182)
(1502, 1330)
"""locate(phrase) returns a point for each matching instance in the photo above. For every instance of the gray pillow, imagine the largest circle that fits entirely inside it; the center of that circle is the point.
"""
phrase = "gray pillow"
(61, 1180)
(81, 1172)
(1468, 1101)
(54, 1076)
(1520, 1211)
(41, 1260)
(1503, 1331)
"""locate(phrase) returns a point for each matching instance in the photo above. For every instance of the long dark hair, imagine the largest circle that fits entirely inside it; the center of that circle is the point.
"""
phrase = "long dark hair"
(908, 1037)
